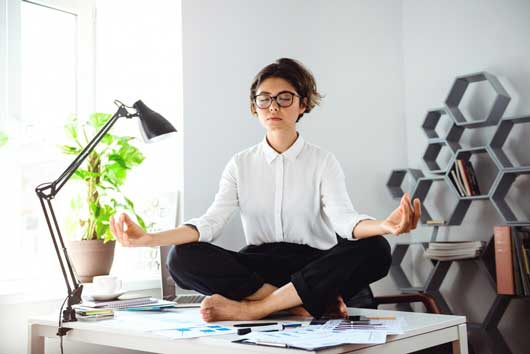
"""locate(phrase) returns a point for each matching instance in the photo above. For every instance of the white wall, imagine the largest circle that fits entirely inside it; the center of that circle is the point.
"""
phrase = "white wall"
(354, 50)
(441, 40)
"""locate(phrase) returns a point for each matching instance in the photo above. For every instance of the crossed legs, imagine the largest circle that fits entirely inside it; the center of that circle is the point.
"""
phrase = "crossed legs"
(264, 279)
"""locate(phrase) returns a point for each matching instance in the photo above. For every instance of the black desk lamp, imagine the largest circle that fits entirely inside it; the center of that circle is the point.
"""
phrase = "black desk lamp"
(152, 125)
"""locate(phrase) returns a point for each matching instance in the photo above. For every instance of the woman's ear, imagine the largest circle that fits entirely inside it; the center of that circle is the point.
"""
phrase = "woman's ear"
(303, 104)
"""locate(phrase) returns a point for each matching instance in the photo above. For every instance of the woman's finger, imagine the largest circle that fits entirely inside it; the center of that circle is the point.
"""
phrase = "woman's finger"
(121, 229)
(402, 221)
(417, 212)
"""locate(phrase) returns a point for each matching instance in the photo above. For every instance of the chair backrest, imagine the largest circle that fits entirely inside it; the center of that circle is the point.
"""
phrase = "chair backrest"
(364, 299)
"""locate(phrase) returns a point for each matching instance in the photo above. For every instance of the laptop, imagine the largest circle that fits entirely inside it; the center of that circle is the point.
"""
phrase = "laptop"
(188, 300)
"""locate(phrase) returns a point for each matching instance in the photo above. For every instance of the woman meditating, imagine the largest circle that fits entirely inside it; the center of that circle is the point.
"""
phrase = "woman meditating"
(307, 249)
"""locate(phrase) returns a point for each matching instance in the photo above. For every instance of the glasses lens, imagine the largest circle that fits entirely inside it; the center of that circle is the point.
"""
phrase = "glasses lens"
(263, 101)
(285, 99)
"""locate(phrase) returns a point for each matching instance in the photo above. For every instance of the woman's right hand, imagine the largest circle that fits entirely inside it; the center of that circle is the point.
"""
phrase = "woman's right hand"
(128, 233)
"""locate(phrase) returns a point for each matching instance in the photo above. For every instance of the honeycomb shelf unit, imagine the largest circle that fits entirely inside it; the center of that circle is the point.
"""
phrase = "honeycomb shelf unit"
(494, 191)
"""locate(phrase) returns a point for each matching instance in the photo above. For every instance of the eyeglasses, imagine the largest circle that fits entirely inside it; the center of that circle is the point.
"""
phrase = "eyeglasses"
(283, 99)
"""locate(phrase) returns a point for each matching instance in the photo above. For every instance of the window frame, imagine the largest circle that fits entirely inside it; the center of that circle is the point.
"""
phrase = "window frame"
(10, 73)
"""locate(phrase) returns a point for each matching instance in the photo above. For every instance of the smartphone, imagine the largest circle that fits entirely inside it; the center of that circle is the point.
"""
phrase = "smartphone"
(358, 318)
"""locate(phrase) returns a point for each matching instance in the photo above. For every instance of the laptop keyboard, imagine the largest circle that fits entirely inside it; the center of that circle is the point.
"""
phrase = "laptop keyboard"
(189, 299)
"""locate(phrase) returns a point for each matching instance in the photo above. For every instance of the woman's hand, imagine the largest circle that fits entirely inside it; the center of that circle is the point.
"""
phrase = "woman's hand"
(128, 233)
(403, 218)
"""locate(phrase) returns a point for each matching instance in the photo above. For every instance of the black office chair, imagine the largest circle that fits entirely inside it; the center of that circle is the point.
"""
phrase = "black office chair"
(366, 299)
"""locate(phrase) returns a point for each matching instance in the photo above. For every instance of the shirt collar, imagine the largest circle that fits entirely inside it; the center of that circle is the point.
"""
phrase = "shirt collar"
(290, 154)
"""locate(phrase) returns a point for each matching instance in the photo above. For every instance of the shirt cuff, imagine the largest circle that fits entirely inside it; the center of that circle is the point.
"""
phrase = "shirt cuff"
(356, 221)
(205, 232)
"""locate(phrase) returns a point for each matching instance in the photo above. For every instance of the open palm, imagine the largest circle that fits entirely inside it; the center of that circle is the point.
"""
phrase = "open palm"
(403, 218)
(128, 233)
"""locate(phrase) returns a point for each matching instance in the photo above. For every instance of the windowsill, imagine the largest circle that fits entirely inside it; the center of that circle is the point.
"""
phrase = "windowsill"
(18, 292)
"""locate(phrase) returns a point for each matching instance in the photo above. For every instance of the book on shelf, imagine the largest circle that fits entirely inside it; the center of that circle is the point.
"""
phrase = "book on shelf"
(521, 270)
(457, 183)
(503, 260)
(512, 262)
(453, 250)
(436, 222)
(456, 245)
(472, 177)
(464, 177)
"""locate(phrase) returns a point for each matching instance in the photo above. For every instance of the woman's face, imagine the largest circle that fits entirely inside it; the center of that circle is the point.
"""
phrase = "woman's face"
(276, 117)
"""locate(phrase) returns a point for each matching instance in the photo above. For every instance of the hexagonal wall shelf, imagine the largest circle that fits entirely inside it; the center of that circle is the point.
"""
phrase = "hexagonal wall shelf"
(484, 182)
(434, 147)
(501, 135)
(422, 189)
(500, 189)
(431, 121)
(396, 179)
(458, 90)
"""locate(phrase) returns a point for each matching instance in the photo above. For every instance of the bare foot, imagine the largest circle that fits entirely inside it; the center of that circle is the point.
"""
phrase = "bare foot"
(220, 308)
(299, 311)
(338, 309)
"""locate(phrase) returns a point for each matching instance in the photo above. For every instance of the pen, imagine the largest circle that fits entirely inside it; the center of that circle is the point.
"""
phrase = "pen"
(255, 324)
(271, 328)
(382, 318)
(291, 325)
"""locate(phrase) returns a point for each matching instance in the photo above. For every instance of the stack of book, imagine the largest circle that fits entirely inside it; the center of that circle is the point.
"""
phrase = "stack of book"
(92, 314)
(512, 260)
(464, 178)
(448, 251)
(130, 302)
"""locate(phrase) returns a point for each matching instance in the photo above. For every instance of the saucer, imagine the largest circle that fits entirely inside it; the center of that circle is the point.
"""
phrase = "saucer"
(106, 296)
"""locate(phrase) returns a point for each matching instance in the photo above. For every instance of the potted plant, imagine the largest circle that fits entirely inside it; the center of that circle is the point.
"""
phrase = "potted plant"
(102, 175)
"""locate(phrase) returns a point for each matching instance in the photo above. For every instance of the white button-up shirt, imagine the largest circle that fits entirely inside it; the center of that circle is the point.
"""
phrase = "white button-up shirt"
(298, 196)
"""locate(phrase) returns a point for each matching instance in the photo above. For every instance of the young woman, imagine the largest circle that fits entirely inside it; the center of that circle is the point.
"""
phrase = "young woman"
(307, 248)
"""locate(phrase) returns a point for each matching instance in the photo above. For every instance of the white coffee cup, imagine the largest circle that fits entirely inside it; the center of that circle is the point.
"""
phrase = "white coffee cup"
(106, 284)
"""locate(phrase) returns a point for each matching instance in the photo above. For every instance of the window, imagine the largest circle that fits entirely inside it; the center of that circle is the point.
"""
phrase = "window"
(43, 74)
(48, 72)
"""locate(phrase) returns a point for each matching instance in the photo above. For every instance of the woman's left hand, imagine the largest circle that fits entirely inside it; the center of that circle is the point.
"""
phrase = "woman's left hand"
(403, 218)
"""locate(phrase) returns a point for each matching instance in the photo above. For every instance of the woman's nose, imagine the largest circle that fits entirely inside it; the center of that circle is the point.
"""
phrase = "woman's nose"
(274, 107)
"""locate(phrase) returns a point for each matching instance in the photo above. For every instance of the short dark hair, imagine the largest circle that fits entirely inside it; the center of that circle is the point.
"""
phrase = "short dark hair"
(294, 73)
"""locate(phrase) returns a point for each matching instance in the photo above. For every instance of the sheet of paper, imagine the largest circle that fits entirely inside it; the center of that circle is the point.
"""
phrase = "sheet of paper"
(390, 326)
(148, 322)
(314, 337)
(182, 332)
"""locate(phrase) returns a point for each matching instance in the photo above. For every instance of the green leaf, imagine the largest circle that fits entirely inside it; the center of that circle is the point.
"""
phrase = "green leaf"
(98, 120)
(131, 155)
(3, 139)
(70, 150)
(108, 139)
(141, 221)
(115, 173)
(118, 159)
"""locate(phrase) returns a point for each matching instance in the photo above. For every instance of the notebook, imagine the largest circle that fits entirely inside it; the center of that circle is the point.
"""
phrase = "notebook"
(119, 304)
(188, 300)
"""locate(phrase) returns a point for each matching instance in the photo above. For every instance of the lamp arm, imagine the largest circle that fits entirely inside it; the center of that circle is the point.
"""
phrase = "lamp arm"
(47, 191)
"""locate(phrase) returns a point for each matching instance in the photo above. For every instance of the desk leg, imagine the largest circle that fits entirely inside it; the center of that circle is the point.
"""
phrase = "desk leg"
(460, 345)
(35, 340)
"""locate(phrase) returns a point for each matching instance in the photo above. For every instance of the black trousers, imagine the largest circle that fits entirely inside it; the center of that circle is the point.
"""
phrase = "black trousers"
(318, 276)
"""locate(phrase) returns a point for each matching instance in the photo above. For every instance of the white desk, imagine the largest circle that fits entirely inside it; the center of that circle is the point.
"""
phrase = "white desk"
(422, 331)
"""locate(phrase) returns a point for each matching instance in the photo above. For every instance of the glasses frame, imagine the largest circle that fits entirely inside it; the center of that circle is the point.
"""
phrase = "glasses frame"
(275, 98)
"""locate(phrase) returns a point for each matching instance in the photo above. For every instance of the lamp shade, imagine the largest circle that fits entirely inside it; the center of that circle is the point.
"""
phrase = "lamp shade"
(152, 124)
